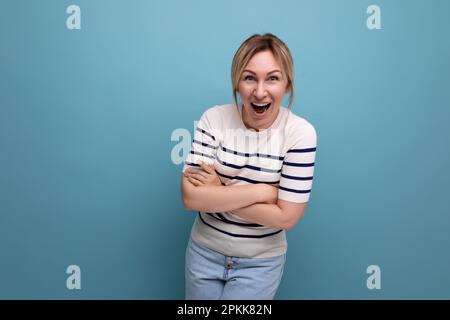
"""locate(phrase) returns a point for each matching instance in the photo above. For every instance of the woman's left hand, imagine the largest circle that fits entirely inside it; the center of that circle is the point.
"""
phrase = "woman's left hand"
(206, 176)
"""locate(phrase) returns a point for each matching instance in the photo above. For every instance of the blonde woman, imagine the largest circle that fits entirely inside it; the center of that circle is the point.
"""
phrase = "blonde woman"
(249, 176)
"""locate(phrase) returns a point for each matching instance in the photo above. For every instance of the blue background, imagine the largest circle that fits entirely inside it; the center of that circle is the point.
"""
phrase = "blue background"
(86, 118)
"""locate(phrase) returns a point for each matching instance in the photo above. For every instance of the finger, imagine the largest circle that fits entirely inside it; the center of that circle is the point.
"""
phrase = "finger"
(202, 173)
(203, 165)
(188, 175)
(194, 181)
(192, 170)
(213, 168)
(188, 172)
(197, 173)
(200, 177)
(207, 167)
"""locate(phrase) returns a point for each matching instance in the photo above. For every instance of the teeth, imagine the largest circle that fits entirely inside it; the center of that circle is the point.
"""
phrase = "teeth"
(261, 105)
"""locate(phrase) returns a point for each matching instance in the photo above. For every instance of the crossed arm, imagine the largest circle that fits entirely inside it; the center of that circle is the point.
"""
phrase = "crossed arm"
(202, 190)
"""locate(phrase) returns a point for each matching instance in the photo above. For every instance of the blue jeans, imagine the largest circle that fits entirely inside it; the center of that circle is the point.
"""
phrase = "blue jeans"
(212, 275)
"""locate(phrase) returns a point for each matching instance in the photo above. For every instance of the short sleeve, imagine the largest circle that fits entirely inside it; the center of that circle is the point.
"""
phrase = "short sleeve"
(298, 167)
(205, 143)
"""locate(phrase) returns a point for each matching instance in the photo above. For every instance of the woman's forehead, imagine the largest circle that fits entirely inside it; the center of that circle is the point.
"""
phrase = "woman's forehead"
(263, 62)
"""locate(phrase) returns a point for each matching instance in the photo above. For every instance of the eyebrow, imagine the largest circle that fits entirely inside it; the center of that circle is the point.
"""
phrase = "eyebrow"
(276, 70)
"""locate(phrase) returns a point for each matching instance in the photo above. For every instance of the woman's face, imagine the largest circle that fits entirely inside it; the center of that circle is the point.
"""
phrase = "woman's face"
(262, 88)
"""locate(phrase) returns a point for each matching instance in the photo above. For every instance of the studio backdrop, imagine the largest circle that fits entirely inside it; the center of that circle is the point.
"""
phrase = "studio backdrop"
(98, 105)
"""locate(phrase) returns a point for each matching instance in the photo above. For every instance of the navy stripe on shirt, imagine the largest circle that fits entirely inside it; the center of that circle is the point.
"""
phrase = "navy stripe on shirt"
(247, 166)
(246, 179)
(295, 178)
(294, 164)
(206, 133)
(192, 164)
(237, 234)
(248, 155)
(220, 217)
(204, 144)
(293, 190)
(301, 150)
(202, 154)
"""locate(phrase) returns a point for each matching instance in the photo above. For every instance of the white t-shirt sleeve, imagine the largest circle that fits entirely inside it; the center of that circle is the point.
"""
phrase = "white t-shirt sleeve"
(298, 167)
(205, 143)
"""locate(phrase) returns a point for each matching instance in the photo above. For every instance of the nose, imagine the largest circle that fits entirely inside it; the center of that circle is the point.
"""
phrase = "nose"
(260, 91)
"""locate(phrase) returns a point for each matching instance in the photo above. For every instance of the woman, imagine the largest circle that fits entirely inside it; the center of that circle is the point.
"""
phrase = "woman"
(249, 176)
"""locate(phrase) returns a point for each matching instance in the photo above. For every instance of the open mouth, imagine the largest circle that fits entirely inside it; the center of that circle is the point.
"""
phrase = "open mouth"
(260, 108)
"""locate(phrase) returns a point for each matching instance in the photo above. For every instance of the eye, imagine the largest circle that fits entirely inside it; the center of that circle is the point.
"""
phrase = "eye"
(274, 78)
(248, 78)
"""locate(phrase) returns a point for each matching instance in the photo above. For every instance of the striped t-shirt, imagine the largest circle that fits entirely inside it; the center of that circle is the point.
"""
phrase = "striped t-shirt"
(282, 155)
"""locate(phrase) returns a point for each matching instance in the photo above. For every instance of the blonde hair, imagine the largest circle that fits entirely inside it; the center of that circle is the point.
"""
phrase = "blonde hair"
(259, 43)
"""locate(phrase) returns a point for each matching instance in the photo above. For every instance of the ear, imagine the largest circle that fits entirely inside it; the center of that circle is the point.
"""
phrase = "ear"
(288, 88)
